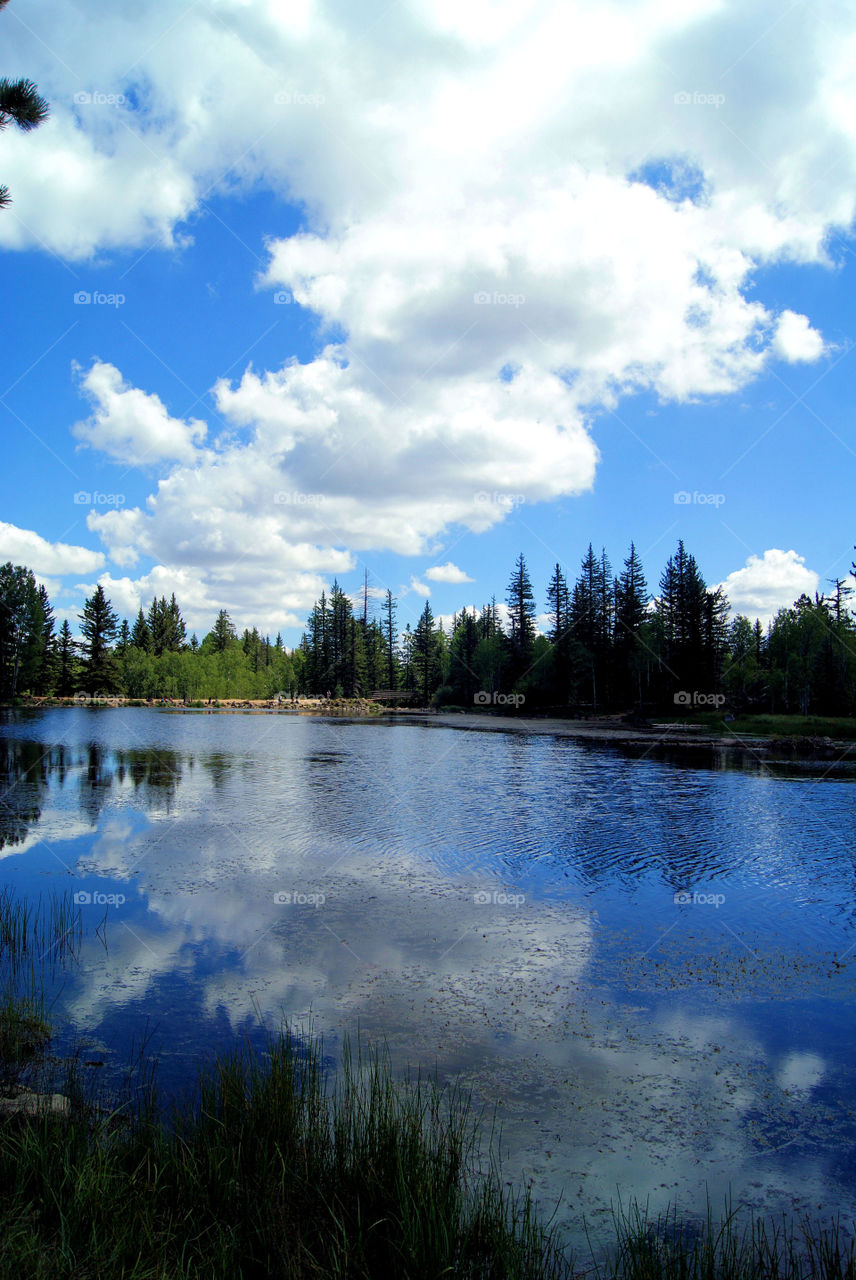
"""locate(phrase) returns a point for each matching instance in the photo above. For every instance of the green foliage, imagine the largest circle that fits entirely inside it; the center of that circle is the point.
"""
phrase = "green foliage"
(22, 629)
(606, 647)
(99, 627)
(20, 104)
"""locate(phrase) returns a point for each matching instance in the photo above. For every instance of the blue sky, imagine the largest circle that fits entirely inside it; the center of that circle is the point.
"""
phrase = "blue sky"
(410, 289)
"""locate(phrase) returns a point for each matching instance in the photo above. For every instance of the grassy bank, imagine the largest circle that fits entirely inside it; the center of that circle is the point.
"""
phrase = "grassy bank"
(838, 727)
(273, 1167)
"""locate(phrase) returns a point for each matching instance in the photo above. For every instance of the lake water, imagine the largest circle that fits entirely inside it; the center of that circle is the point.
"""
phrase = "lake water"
(647, 965)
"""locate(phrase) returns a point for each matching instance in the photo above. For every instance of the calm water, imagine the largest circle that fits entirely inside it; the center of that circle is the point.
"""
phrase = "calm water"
(500, 905)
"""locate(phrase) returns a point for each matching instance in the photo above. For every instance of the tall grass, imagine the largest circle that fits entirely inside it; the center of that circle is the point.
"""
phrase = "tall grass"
(738, 1246)
(272, 1170)
(36, 940)
(273, 1167)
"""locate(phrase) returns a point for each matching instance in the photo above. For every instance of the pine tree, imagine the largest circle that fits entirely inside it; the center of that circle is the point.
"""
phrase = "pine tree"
(66, 662)
(21, 622)
(99, 627)
(591, 620)
(559, 610)
(521, 609)
(463, 676)
(124, 639)
(391, 639)
(141, 636)
(45, 673)
(224, 632)
(21, 104)
(425, 655)
(631, 613)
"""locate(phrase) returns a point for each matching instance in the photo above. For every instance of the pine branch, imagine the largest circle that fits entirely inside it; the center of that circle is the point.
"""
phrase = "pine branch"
(22, 104)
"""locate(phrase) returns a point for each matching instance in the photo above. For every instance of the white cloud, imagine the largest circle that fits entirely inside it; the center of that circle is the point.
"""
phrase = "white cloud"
(795, 339)
(419, 588)
(768, 583)
(478, 195)
(131, 426)
(447, 572)
(23, 546)
(288, 597)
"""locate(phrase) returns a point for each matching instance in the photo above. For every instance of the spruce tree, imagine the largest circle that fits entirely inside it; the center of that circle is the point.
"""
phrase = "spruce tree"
(21, 622)
(99, 626)
(521, 609)
(391, 639)
(425, 655)
(66, 662)
(559, 610)
(141, 636)
(631, 613)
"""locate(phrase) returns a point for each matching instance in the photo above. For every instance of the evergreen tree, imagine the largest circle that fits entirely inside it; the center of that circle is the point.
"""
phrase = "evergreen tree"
(390, 638)
(45, 674)
(124, 639)
(66, 662)
(521, 609)
(463, 677)
(591, 623)
(141, 636)
(99, 626)
(631, 614)
(21, 104)
(559, 610)
(21, 623)
(408, 670)
(426, 655)
(224, 632)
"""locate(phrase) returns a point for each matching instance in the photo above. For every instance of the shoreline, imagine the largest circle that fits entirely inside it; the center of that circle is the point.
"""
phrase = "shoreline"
(677, 736)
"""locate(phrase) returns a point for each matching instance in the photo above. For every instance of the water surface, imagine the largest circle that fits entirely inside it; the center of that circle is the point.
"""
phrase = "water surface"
(646, 965)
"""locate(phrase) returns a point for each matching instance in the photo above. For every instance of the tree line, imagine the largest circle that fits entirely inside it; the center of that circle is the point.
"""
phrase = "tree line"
(605, 643)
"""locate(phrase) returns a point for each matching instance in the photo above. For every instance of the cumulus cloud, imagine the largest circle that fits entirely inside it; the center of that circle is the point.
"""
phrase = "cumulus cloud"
(768, 583)
(447, 572)
(288, 597)
(131, 426)
(23, 546)
(497, 243)
(795, 339)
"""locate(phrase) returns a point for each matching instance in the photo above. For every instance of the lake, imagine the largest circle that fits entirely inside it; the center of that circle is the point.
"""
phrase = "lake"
(646, 965)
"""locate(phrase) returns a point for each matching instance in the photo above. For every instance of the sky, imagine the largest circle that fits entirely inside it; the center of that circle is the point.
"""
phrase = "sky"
(297, 291)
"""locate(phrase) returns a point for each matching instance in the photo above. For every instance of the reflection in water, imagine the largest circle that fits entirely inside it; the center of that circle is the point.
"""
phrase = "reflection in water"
(27, 769)
(647, 967)
(33, 775)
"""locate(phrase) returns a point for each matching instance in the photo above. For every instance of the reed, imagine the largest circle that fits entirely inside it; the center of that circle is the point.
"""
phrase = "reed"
(272, 1166)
